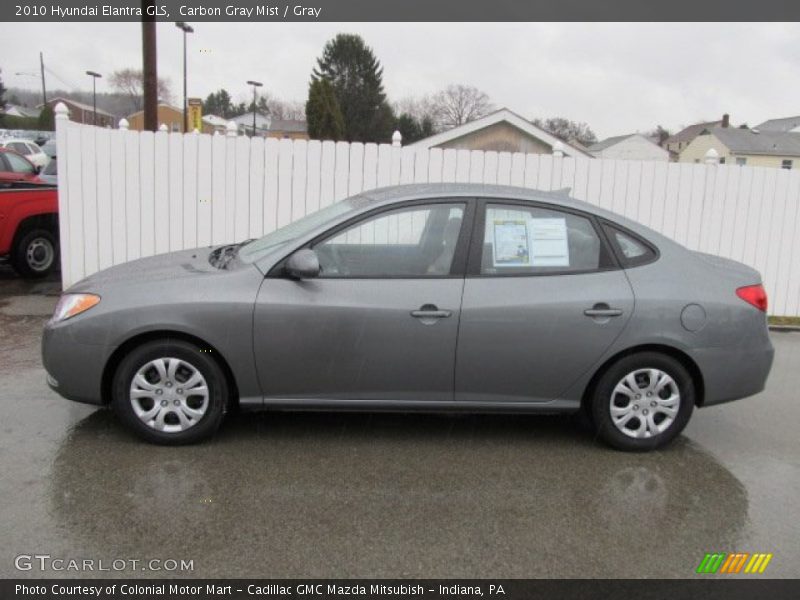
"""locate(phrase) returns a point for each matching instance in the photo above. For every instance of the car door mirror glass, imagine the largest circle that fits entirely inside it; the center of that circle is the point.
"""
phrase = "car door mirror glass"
(303, 264)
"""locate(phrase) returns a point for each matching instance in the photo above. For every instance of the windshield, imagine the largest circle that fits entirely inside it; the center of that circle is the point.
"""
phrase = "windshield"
(297, 229)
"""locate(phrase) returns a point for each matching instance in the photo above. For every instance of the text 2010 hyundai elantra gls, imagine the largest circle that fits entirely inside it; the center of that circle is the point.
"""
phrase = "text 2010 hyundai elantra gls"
(437, 297)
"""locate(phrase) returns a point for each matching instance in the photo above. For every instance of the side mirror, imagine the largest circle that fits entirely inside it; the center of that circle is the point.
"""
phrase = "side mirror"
(37, 169)
(303, 264)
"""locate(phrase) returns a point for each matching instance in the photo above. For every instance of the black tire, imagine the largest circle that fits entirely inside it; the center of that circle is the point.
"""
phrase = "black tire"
(205, 426)
(604, 396)
(35, 253)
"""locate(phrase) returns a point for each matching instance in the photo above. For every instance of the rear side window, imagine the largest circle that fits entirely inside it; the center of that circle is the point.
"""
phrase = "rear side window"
(522, 240)
(631, 250)
(20, 148)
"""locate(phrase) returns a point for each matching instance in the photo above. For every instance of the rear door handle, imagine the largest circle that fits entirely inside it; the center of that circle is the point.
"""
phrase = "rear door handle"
(430, 311)
(602, 309)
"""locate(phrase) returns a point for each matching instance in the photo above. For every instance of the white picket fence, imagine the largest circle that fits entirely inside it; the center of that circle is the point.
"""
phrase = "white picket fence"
(125, 194)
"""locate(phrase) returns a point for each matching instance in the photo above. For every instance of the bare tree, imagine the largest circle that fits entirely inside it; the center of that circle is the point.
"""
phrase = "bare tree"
(289, 110)
(567, 130)
(458, 104)
(130, 83)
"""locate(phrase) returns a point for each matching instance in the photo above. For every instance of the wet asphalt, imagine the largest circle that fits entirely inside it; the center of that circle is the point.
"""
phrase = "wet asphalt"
(381, 495)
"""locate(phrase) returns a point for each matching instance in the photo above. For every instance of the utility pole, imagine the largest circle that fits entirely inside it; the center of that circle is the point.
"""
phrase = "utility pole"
(44, 89)
(186, 29)
(94, 77)
(256, 85)
(149, 67)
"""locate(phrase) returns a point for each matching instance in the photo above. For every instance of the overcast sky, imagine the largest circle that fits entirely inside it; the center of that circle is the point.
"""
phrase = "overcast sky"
(619, 78)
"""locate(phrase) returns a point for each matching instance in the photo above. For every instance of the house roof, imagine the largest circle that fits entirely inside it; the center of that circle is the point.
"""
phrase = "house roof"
(687, 134)
(289, 125)
(784, 124)
(81, 105)
(246, 119)
(748, 141)
(215, 120)
(22, 111)
(608, 142)
(612, 141)
(498, 116)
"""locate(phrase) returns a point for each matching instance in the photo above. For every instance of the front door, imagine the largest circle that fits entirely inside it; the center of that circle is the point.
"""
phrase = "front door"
(379, 323)
(541, 305)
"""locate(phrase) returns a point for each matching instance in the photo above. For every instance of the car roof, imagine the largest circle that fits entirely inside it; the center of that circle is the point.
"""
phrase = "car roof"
(421, 191)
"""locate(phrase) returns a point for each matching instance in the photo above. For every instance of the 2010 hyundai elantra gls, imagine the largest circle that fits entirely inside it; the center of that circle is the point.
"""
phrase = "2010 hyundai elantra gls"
(439, 297)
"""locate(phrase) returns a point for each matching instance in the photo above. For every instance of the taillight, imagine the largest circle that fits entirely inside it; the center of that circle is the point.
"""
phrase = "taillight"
(754, 295)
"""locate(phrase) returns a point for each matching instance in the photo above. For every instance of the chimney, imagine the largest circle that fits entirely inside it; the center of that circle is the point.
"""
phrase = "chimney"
(726, 120)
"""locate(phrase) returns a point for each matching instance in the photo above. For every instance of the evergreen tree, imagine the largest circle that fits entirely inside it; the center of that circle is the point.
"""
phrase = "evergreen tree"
(323, 115)
(219, 103)
(413, 129)
(356, 76)
(46, 120)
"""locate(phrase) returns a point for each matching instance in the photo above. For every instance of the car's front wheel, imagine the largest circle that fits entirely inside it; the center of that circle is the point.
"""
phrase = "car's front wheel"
(643, 401)
(170, 392)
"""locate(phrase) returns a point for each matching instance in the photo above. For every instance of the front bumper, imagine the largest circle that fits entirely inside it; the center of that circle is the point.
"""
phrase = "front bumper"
(74, 368)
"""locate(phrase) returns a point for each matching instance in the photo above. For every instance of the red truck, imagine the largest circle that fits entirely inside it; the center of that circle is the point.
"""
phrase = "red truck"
(29, 227)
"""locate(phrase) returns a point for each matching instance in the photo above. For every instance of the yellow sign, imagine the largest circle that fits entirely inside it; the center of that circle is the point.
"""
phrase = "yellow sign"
(195, 114)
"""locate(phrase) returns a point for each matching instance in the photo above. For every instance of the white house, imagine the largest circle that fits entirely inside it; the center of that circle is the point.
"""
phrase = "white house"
(500, 131)
(634, 146)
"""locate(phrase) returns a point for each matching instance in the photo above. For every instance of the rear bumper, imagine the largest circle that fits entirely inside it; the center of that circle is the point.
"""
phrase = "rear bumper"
(74, 369)
(731, 374)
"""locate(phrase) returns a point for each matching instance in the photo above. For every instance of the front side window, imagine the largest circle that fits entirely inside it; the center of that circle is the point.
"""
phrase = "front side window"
(741, 161)
(18, 164)
(416, 241)
(522, 240)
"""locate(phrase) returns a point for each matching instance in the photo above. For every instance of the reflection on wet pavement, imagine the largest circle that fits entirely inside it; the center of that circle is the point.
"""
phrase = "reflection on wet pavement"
(317, 495)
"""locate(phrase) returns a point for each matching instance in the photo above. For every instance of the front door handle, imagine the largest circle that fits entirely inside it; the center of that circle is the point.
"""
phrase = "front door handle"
(601, 309)
(430, 311)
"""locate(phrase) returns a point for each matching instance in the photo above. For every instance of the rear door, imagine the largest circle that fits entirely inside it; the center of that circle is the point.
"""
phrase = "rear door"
(380, 323)
(543, 300)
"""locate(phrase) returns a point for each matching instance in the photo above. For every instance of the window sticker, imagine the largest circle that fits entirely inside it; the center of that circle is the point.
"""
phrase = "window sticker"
(511, 243)
(548, 242)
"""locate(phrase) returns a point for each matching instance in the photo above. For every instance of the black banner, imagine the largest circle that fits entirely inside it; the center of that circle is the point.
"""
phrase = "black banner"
(406, 10)
(377, 589)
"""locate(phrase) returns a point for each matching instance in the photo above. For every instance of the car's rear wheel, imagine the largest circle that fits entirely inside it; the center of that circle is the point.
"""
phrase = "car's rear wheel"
(35, 253)
(643, 401)
(169, 392)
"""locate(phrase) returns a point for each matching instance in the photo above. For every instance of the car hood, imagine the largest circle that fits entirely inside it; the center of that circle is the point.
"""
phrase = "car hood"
(173, 265)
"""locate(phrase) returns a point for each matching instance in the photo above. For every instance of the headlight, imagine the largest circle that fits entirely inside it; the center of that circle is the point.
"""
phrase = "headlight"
(70, 305)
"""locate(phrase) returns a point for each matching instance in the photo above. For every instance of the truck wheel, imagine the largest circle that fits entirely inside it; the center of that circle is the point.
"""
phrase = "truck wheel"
(35, 253)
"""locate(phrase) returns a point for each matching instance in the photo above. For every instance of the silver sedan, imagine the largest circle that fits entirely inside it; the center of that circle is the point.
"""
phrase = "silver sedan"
(436, 297)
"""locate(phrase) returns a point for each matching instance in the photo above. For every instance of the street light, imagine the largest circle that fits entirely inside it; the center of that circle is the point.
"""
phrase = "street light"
(186, 29)
(94, 77)
(256, 85)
